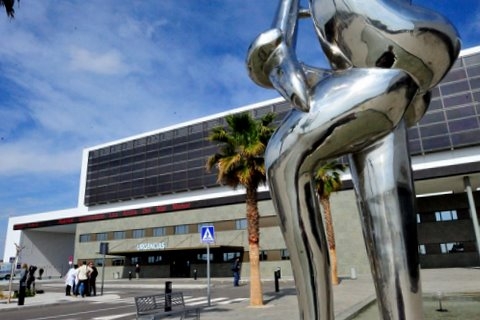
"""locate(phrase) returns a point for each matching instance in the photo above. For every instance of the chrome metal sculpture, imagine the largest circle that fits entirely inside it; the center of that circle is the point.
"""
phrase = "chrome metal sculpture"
(385, 56)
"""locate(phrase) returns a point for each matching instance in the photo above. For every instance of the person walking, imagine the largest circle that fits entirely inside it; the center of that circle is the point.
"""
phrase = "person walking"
(22, 290)
(236, 272)
(92, 280)
(70, 279)
(137, 271)
(31, 278)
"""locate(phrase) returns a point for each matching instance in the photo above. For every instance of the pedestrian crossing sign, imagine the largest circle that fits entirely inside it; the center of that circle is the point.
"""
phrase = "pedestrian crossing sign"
(207, 234)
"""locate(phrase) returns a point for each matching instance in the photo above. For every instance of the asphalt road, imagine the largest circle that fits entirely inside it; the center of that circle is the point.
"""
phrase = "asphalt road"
(121, 307)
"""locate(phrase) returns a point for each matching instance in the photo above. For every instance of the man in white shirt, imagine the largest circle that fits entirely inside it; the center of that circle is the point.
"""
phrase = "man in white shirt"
(83, 273)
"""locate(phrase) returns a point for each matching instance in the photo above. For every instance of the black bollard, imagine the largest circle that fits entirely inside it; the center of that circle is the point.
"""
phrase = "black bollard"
(129, 275)
(194, 274)
(22, 292)
(277, 275)
(168, 296)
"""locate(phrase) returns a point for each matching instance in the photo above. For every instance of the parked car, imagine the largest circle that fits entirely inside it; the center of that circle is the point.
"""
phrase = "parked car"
(6, 271)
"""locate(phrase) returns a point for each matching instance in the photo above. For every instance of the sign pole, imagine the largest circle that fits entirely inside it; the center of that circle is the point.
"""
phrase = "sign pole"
(208, 273)
(104, 251)
(207, 235)
(103, 274)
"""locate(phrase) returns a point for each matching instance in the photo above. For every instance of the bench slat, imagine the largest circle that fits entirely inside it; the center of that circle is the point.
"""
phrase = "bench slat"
(153, 306)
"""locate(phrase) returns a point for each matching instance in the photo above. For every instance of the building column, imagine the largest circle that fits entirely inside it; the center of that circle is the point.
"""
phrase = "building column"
(473, 210)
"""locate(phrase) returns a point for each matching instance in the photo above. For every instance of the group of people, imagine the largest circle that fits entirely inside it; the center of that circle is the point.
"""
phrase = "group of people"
(27, 282)
(81, 280)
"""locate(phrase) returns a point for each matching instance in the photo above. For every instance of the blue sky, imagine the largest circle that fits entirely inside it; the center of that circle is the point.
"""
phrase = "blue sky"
(74, 74)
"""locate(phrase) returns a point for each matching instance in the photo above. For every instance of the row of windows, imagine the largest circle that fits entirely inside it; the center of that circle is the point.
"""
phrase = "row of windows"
(446, 248)
(438, 216)
(240, 224)
(162, 157)
(151, 151)
(158, 164)
(154, 167)
(170, 161)
(158, 259)
(452, 120)
(155, 142)
(274, 255)
(196, 132)
(128, 180)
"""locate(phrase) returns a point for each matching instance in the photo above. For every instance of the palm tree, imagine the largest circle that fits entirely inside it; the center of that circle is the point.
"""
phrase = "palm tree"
(328, 180)
(240, 161)
(8, 4)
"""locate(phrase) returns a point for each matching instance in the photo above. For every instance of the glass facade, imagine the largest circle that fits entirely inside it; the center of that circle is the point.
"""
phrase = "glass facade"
(174, 161)
(452, 120)
(166, 162)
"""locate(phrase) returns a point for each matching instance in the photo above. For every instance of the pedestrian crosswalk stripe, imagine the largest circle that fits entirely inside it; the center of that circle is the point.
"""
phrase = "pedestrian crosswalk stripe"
(232, 301)
(113, 317)
(204, 301)
(193, 299)
(189, 300)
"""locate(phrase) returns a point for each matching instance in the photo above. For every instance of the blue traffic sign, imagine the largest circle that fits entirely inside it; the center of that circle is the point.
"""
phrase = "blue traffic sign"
(207, 234)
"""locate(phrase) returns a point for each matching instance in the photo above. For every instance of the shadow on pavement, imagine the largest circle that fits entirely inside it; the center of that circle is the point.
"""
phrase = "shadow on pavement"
(272, 296)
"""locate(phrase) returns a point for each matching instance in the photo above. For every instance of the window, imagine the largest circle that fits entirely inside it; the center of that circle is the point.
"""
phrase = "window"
(118, 235)
(134, 260)
(138, 233)
(102, 236)
(421, 249)
(241, 224)
(98, 262)
(118, 262)
(159, 232)
(181, 229)
(154, 259)
(85, 237)
(263, 255)
(448, 215)
(285, 255)
(446, 247)
(457, 247)
(203, 257)
(229, 256)
(200, 225)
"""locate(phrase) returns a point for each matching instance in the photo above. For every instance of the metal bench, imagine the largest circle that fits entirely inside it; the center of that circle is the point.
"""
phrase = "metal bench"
(158, 306)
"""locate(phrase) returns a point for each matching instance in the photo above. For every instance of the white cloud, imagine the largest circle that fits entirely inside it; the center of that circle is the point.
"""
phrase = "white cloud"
(101, 63)
(34, 157)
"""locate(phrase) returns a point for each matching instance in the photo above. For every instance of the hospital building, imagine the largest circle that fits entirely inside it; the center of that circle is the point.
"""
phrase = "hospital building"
(147, 198)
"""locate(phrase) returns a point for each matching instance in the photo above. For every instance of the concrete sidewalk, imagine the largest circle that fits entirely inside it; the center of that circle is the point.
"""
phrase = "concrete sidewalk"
(349, 296)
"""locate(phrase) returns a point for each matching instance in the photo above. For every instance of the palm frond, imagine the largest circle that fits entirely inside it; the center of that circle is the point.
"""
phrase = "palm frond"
(328, 178)
(242, 143)
(8, 4)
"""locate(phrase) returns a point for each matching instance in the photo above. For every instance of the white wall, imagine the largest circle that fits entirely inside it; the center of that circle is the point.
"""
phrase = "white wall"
(47, 250)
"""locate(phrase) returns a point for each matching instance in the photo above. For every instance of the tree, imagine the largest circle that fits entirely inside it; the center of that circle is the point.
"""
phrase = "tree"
(240, 161)
(12, 270)
(328, 180)
(8, 4)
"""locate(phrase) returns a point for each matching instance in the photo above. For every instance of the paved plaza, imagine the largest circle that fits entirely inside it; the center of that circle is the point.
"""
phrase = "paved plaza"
(350, 296)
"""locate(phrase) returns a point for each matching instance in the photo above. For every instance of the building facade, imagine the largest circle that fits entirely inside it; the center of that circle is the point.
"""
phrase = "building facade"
(148, 197)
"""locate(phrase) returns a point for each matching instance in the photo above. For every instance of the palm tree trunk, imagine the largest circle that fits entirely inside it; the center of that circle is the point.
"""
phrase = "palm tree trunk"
(325, 201)
(256, 295)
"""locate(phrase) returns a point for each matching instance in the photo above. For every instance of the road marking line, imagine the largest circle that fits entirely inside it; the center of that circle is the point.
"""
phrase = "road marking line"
(117, 316)
(232, 301)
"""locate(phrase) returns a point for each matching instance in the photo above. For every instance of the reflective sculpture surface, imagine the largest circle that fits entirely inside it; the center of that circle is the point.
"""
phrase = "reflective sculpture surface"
(385, 56)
